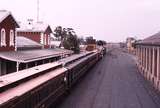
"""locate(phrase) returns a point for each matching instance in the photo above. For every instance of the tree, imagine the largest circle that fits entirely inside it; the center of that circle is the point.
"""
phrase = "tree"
(60, 33)
(69, 39)
(101, 43)
(90, 40)
(81, 41)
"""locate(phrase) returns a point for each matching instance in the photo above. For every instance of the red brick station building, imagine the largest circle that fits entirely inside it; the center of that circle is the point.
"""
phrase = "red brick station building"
(38, 32)
(22, 47)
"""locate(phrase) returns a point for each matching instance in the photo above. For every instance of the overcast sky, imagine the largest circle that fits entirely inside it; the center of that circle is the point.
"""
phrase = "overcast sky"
(110, 20)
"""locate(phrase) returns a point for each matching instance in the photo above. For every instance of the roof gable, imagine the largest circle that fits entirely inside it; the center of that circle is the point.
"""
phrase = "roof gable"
(36, 27)
(48, 29)
(4, 14)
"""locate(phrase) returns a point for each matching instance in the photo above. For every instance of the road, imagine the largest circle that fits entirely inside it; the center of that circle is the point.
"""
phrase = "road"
(112, 83)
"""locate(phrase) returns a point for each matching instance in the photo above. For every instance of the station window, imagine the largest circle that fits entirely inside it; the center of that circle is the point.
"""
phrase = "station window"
(3, 37)
(48, 39)
(45, 39)
(11, 38)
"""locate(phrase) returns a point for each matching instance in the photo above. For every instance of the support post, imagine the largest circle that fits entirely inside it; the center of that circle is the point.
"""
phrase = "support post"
(153, 64)
(1, 68)
(36, 63)
(17, 66)
(143, 56)
(150, 61)
(158, 68)
(26, 65)
(146, 62)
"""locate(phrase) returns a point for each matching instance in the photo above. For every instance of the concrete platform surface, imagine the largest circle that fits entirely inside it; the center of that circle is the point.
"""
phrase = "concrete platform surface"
(113, 83)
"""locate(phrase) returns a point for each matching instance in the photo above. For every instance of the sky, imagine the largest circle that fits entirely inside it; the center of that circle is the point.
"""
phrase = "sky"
(109, 20)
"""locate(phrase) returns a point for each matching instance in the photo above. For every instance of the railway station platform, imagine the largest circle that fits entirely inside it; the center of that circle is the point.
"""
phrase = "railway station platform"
(113, 83)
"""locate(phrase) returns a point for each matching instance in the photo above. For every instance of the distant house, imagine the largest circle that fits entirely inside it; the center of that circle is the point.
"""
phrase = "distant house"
(55, 44)
(130, 42)
(39, 32)
(8, 27)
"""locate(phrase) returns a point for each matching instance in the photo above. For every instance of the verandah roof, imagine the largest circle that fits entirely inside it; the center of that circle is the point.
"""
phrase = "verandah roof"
(32, 55)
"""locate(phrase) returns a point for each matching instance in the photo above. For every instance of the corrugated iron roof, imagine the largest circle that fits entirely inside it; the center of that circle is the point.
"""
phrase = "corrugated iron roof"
(26, 42)
(3, 14)
(32, 55)
(29, 85)
(17, 76)
(154, 39)
(35, 27)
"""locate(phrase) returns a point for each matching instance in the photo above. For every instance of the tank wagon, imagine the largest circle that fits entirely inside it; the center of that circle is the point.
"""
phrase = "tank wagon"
(41, 86)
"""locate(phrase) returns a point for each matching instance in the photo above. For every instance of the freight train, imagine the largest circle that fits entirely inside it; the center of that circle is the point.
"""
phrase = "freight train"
(41, 86)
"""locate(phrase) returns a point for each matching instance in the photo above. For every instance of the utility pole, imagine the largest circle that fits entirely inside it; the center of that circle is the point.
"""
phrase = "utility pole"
(37, 10)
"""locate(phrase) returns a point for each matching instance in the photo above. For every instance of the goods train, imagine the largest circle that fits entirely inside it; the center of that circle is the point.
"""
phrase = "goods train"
(41, 86)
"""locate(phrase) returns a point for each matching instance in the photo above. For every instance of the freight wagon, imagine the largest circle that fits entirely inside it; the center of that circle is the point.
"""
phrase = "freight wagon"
(41, 86)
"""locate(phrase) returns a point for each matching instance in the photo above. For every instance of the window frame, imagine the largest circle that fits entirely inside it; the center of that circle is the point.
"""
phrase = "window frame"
(11, 37)
(45, 39)
(48, 39)
(3, 37)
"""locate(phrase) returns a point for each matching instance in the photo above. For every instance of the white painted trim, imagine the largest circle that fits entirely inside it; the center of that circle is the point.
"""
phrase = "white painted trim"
(45, 39)
(3, 37)
(48, 39)
(17, 66)
(11, 38)
(15, 41)
(42, 38)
